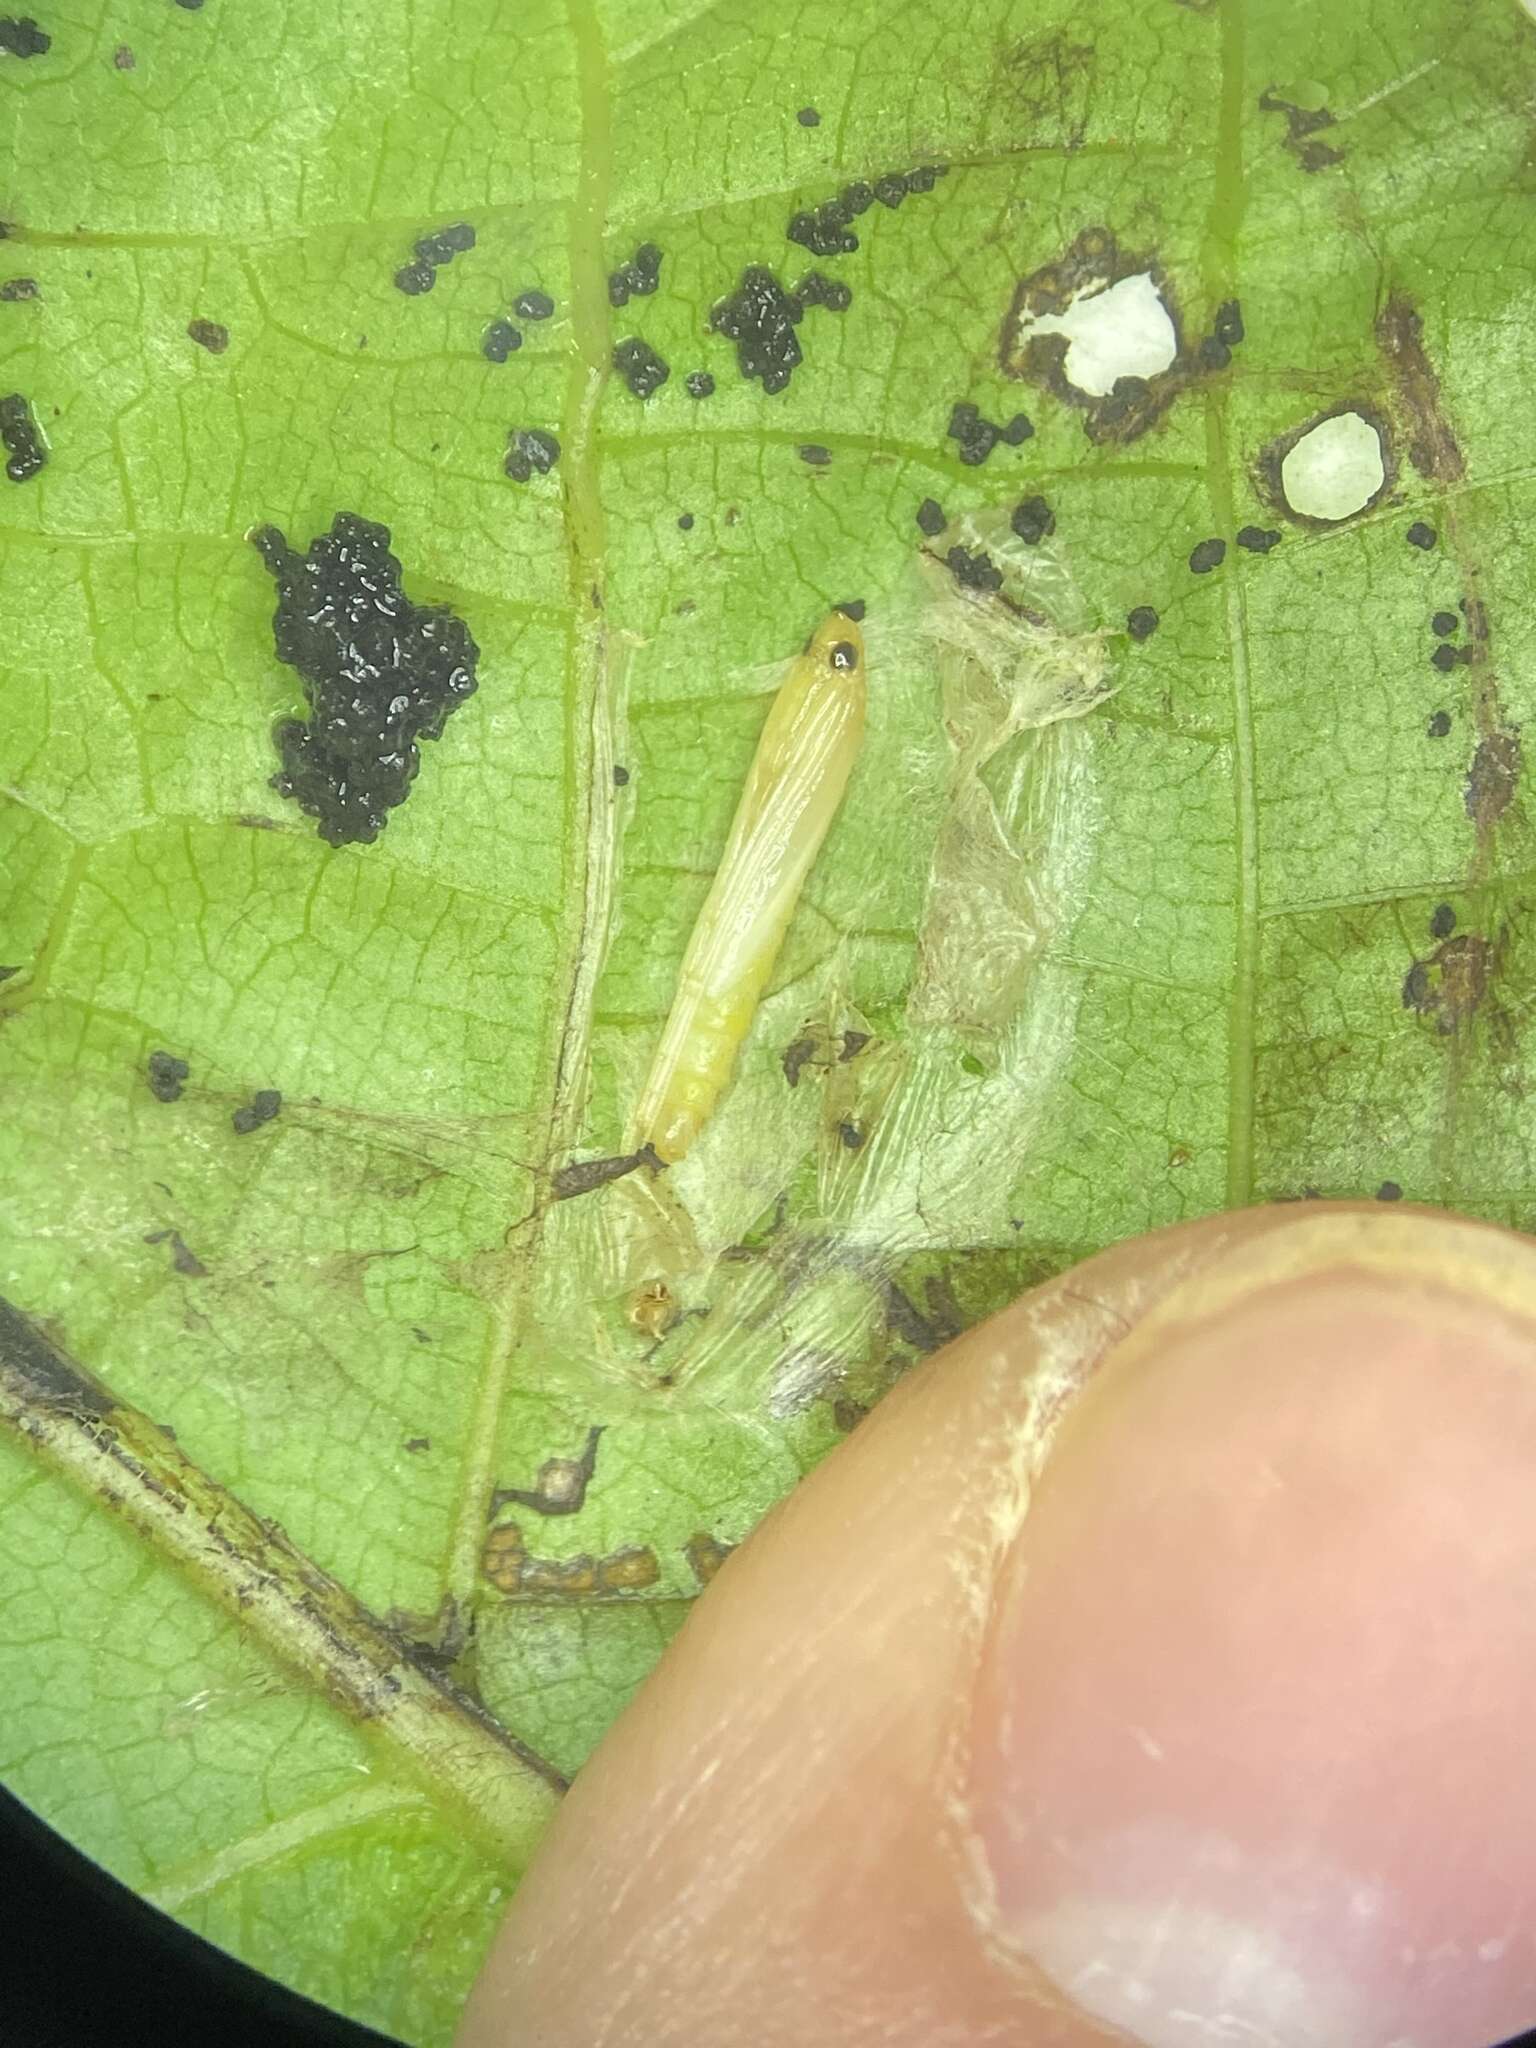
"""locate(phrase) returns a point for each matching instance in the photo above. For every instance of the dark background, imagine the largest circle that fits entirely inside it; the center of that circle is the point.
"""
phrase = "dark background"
(84, 1963)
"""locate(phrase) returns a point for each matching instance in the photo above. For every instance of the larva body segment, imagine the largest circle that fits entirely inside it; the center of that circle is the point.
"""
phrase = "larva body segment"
(809, 743)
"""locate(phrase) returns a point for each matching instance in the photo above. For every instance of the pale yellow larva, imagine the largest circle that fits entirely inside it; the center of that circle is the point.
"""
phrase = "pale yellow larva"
(809, 744)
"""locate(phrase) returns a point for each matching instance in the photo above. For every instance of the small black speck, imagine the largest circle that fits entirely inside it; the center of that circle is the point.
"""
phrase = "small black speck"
(457, 237)
(1445, 624)
(1032, 520)
(854, 609)
(816, 290)
(858, 198)
(639, 276)
(930, 517)
(123, 58)
(166, 1074)
(640, 366)
(16, 288)
(23, 37)
(1442, 921)
(1389, 1191)
(1258, 540)
(890, 191)
(1018, 429)
(530, 449)
(850, 1134)
(1445, 658)
(1228, 324)
(973, 571)
(1421, 536)
(190, 6)
(533, 305)
(808, 118)
(813, 453)
(418, 1443)
(1210, 554)
(1142, 623)
(964, 418)
(685, 522)
(262, 1107)
(1439, 725)
(1214, 354)
(699, 384)
(209, 334)
(500, 340)
(415, 278)
(620, 776)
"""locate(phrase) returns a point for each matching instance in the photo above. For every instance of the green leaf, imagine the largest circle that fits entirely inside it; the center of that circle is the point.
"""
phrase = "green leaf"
(272, 1630)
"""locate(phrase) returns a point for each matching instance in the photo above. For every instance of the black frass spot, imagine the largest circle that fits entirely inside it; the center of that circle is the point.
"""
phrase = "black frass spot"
(1389, 1191)
(825, 230)
(530, 450)
(189, 6)
(850, 1135)
(1227, 327)
(891, 190)
(1214, 354)
(1141, 623)
(17, 288)
(930, 517)
(761, 318)
(446, 243)
(1439, 724)
(1018, 430)
(25, 449)
(1442, 921)
(380, 674)
(1421, 536)
(808, 117)
(1032, 520)
(500, 340)
(20, 36)
(166, 1074)
(123, 58)
(209, 334)
(813, 453)
(973, 571)
(1209, 555)
(685, 522)
(415, 278)
(816, 290)
(854, 609)
(620, 776)
(640, 366)
(978, 437)
(1446, 657)
(699, 384)
(1444, 624)
(262, 1107)
(858, 198)
(533, 305)
(1258, 540)
(638, 277)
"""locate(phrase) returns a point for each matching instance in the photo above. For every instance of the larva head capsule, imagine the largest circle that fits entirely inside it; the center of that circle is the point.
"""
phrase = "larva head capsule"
(838, 643)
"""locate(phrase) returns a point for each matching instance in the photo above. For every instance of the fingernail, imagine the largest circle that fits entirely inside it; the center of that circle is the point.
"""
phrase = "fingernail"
(1250, 1747)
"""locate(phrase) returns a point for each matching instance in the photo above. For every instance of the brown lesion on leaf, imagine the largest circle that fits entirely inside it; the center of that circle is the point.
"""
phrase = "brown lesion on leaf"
(1303, 127)
(705, 1555)
(1432, 447)
(1268, 465)
(1448, 986)
(562, 1483)
(513, 1569)
(1094, 263)
(1047, 81)
(1493, 778)
(133, 1469)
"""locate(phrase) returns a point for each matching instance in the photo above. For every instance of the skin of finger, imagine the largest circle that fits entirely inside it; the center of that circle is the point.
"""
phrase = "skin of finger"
(770, 1845)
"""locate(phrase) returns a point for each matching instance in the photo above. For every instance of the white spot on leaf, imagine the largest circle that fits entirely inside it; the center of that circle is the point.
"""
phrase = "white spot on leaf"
(1335, 470)
(1113, 331)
